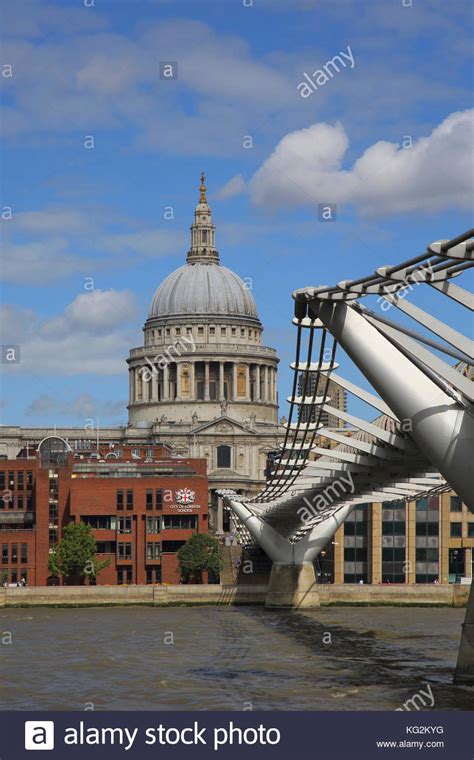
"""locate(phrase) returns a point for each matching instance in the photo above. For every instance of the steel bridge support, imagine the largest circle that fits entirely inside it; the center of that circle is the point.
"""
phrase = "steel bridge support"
(293, 581)
(442, 427)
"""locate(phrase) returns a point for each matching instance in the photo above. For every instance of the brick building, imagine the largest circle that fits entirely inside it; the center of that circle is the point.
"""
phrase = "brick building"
(141, 503)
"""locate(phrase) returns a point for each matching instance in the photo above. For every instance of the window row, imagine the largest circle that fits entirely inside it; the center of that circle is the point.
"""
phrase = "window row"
(154, 524)
(153, 499)
(14, 553)
(242, 332)
(16, 480)
(9, 500)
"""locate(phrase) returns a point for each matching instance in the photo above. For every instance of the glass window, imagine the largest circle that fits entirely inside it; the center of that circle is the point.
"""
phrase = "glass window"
(129, 500)
(11, 480)
(456, 530)
(470, 530)
(124, 525)
(171, 546)
(149, 499)
(2, 480)
(159, 498)
(29, 479)
(200, 330)
(14, 554)
(212, 331)
(152, 524)
(19, 501)
(24, 554)
(153, 550)
(4, 554)
(455, 504)
(223, 456)
(119, 499)
(124, 550)
(21, 483)
(182, 522)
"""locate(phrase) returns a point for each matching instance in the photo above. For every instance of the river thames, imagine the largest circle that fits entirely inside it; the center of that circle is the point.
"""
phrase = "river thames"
(229, 658)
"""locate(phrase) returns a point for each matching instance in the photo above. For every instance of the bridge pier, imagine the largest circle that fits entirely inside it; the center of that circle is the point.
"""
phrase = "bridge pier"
(464, 673)
(292, 586)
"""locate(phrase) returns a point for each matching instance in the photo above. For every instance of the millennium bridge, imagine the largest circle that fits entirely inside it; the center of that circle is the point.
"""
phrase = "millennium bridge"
(419, 441)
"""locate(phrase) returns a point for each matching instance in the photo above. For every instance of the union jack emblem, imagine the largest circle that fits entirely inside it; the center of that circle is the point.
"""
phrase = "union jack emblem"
(185, 496)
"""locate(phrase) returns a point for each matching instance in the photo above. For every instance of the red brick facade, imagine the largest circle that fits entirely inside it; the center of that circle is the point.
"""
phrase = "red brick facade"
(141, 504)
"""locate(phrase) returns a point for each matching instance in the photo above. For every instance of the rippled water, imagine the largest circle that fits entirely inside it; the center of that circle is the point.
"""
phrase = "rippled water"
(229, 658)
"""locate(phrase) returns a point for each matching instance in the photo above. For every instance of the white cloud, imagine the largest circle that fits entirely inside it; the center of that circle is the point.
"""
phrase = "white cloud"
(234, 186)
(306, 168)
(92, 336)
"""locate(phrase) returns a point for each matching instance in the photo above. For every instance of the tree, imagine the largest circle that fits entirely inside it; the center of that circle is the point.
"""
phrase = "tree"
(200, 553)
(75, 556)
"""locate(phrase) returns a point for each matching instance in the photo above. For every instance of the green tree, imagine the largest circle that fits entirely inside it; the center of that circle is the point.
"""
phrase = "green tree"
(201, 552)
(75, 556)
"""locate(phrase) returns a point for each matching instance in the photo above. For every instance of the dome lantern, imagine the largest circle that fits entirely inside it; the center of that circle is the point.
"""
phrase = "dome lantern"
(203, 232)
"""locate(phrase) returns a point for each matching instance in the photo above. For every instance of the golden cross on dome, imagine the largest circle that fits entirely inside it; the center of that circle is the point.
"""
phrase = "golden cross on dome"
(203, 198)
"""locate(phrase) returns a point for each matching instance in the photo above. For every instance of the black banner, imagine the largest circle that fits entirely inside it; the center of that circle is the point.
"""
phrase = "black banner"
(252, 735)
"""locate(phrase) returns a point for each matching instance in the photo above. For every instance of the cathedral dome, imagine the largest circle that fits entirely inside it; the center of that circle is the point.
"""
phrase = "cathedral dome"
(203, 289)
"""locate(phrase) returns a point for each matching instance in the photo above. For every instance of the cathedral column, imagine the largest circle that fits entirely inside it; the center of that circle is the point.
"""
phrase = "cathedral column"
(131, 381)
(234, 381)
(166, 382)
(178, 380)
(192, 381)
(221, 381)
(265, 383)
(247, 380)
(257, 382)
(220, 515)
(206, 381)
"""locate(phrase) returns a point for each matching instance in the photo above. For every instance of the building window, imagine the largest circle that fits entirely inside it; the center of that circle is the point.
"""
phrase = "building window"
(20, 476)
(153, 550)
(212, 331)
(171, 546)
(152, 524)
(124, 550)
(14, 576)
(178, 331)
(159, 498)
(456, 565)
(24, 554)
(124, 576)
(29, 479)
(470, 530)
(19, 501)
(242, 332)
(394, 542)
(149, 499)
(200, 330)
(24, 577)
(223, 456)
(355, 546)
(124, 525)
(4, 554)
(456, 530)
(181, 522)
(129, 500)
(189, 330)
(119, 499)
(233, 330)
(2, 480)
(223, 330)
(14, 554)
(455, 504)
(11, 480)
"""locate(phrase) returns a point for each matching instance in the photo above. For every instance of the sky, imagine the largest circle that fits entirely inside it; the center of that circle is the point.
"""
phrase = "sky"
(98, 146)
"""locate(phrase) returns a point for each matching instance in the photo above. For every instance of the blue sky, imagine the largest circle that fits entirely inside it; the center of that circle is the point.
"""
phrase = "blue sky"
(80, 213)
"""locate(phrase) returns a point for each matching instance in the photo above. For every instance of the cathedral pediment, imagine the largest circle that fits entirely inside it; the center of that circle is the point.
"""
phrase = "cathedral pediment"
(224, 425)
